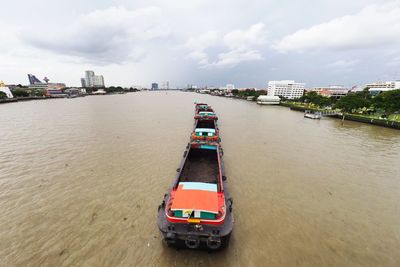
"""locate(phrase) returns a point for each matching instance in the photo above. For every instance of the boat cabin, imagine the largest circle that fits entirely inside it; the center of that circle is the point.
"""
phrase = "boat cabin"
(205, 130)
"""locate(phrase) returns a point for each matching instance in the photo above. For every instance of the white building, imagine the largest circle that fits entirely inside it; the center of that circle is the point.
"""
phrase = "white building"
(379, 87)
(92, 80)
(286, 88)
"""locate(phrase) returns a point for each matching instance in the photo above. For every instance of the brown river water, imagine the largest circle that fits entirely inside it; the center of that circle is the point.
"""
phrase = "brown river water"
(81, 179)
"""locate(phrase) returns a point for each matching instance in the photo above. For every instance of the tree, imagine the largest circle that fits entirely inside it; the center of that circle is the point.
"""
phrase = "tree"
(20, 93)
(316, 99)
(3, 95)
(354, 101)
(389, 101)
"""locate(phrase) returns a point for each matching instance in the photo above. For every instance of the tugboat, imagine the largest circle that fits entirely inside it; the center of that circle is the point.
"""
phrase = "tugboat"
(197, 210)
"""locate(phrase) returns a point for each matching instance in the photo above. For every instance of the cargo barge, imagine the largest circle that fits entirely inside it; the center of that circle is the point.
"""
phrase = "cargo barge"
(197, 210)
(205, 129)
(204, 111)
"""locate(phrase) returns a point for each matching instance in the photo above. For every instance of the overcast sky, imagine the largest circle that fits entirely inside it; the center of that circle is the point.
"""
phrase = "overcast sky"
(201, 42)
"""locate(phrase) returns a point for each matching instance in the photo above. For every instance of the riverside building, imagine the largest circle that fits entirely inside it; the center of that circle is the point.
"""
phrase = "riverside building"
(379, 87)
(287, 88)
(92, 80)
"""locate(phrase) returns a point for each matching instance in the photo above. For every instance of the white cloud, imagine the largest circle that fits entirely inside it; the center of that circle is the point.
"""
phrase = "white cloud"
(242, 39)
(373, 26)
(239, 46)
(343, 63)
(234, 57)
(198, 45)
(112, 35)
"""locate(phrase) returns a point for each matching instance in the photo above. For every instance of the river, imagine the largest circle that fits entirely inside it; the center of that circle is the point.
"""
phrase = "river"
(81, 179)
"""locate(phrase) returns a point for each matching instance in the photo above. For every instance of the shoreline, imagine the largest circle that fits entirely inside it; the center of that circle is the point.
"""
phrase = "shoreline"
(31, 98)
(351, 117)
(346, 116)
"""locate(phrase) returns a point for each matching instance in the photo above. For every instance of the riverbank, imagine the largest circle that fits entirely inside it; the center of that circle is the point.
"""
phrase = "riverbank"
(18, 99)
(30, 98)
(394, 124)
(350, 117)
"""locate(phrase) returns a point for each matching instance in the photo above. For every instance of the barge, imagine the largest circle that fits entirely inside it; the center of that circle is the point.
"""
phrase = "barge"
(205, 130)
(204, 111)
(197, 210)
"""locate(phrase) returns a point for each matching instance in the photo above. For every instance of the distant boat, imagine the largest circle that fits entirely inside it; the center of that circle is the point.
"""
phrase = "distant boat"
(99, 92)
(315, 115)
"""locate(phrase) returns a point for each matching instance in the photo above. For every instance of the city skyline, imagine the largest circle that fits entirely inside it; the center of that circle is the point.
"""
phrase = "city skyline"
(346, 43)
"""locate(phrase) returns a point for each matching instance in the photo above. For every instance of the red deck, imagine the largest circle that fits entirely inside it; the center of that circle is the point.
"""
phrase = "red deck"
(195, 200)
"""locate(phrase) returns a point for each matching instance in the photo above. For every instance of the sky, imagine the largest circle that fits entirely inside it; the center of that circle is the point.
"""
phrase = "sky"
(201, 42)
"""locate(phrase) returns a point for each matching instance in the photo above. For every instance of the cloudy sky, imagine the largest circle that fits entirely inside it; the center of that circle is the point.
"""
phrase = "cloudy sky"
(202, 42)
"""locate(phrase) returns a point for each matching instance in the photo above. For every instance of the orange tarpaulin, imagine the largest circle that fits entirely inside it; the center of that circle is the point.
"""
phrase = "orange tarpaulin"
(200, 200)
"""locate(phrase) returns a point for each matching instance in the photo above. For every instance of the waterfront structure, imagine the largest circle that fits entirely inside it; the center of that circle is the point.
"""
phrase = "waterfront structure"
(268, 100)
(55, 92)
(286, 88)
(99, 92)
(154, 86)
(6, 90)
(92, 80)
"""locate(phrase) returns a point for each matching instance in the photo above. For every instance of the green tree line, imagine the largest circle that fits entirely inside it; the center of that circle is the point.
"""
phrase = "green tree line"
(385, 103)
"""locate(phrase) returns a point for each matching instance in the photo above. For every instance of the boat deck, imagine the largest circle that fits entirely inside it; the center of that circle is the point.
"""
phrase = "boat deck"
(201, 166)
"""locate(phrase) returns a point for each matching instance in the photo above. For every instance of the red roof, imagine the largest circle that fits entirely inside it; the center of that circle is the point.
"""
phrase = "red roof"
(201, 200)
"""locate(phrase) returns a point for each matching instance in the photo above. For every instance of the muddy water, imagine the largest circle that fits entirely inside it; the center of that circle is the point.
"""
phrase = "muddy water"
(81, 179)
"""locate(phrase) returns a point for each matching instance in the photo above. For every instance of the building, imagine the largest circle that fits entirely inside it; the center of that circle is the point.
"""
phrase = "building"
(385, 85)
(36, 84)
(331, 91)
(287, 88)
(154, 86)
(92, 80)
(379, 87)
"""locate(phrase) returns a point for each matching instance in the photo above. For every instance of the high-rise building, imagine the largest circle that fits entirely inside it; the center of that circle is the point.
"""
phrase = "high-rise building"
(154, 86)
(92, 80)
(83, 82)
(287, 88)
